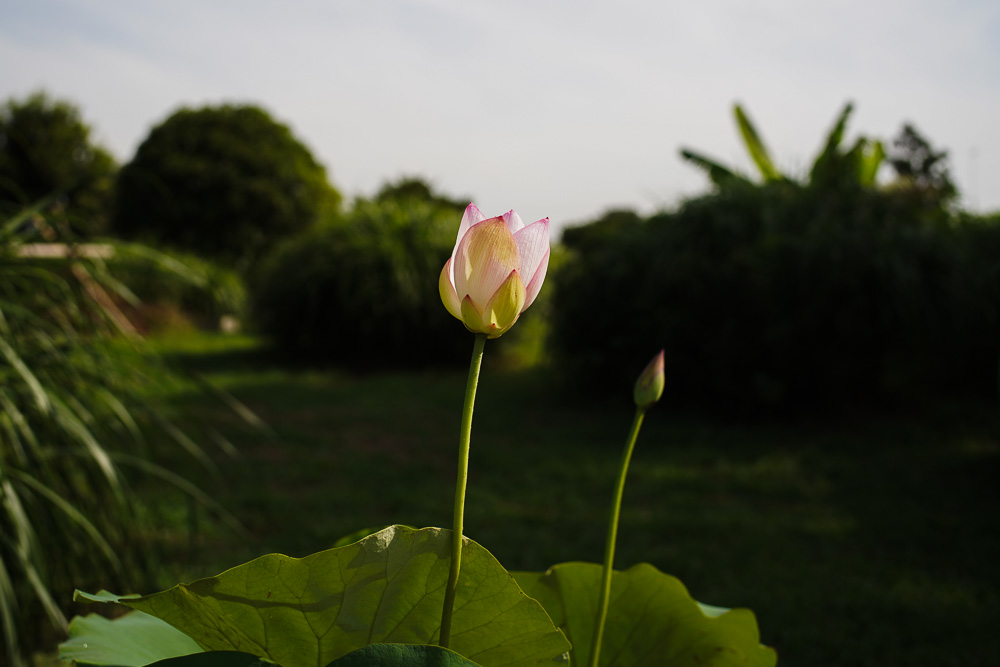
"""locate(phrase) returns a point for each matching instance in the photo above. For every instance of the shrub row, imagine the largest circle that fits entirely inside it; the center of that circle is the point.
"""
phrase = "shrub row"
(363, 291)
(785, 297)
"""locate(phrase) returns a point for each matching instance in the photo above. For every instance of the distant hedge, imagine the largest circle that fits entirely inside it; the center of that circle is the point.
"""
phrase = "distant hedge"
(784, 297)
(363, 292)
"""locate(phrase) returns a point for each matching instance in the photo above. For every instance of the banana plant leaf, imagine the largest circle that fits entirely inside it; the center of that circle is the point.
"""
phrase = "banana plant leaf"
(720, 175)
(652, 620)
(830, 157)
(870, 160)
(755, 146)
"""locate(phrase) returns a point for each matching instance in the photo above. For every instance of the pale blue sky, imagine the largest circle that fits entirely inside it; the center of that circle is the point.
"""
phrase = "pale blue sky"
(555, 108)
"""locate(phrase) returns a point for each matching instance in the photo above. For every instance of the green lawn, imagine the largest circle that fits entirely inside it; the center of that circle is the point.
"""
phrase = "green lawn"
(859, 542)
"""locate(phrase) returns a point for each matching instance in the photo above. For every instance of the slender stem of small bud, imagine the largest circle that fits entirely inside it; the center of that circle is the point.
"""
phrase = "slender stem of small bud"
(609, 547)
(464, 439)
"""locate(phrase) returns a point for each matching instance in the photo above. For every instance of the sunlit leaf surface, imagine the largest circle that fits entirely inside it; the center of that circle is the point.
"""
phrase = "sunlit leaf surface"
(387, 588)
(133, 640)
(652, 619)
(402, 655)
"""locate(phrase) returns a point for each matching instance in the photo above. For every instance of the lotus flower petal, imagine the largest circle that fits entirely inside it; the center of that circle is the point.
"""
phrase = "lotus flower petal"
(533, 245)
(446, 288)
(471, 217)
(485, 257)
(506, 305)
(513, 221)
(472, 317)
(535, 284)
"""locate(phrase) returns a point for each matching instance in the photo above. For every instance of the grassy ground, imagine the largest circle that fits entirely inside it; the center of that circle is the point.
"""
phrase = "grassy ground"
(864, 542)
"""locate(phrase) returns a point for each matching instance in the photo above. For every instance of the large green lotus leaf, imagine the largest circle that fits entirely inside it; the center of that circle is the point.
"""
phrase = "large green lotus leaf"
(373, 655)
(402, 655)
(133, 640)
(652, 620)
(387, 588)
(215, 659)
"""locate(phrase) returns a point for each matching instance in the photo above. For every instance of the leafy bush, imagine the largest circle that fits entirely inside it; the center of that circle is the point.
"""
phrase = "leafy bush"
(787, 296)
(360, 291)
(226, 182)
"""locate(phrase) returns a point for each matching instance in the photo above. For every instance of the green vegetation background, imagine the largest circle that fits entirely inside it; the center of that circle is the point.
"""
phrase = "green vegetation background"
(858, 527)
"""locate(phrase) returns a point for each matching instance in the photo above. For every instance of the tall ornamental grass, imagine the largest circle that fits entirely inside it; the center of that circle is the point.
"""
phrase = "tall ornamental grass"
(73, 431)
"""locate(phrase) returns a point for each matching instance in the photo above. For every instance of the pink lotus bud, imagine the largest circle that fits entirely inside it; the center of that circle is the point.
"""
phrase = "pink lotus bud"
(649, 386)
(495, 271)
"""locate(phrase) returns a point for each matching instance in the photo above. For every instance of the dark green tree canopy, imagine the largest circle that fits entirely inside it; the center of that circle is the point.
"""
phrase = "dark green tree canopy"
(46, 149)
(225, 181)
(416, 189)
(920, 168)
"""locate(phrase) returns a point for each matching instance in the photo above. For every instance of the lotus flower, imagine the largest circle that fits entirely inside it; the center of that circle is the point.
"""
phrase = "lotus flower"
(495, 271)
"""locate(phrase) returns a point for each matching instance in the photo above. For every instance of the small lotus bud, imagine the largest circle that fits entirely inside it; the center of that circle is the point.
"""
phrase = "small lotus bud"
(649, 386)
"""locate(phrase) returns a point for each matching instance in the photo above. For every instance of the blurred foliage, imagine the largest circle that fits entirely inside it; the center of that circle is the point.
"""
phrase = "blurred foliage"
(46, 149)
(363, 291)
(786, 296)
(73, 420)
(201, 290)
(226, 182)
(922, 172)
(590, 237)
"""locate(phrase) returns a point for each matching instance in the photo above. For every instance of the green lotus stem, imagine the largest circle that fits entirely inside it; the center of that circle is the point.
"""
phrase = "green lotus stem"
(609, 547)
(464, 439)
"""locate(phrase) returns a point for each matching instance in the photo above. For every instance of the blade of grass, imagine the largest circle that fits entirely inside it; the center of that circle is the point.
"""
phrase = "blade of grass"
(184, 485)
(78, 431)
(73, 514)
(28, 552)
(41, 398)
(124, 416)
(189, 445)
(8, 613)
(17, 419)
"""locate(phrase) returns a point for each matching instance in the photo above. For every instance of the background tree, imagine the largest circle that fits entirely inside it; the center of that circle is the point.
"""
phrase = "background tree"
(921, 170)
(46, 149)
(415, 189)
(225, 181)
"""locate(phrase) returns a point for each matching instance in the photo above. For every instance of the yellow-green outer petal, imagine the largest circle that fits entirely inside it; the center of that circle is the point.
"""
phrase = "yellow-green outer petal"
(472, 318)
(449, 297)
(504, 307)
